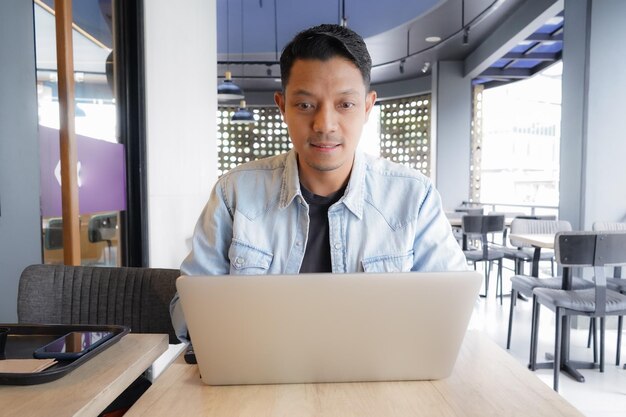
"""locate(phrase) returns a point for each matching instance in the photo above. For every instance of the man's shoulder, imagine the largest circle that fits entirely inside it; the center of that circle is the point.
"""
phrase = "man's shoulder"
(385, 171)
(254, 186)
(259, 166)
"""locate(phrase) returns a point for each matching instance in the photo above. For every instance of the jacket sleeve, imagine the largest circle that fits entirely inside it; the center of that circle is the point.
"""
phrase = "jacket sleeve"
(209, 253)
(435, 248)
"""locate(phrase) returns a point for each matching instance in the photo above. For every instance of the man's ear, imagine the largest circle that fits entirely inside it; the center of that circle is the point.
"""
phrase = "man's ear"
(370, 100)
(279, 99)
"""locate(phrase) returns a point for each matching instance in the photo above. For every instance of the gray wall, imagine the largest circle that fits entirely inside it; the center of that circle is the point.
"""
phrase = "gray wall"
(593, 143)
(452, 105)
(20, 230)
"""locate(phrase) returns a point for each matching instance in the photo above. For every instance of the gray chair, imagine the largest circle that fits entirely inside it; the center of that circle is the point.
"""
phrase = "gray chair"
(582, 249)
(482, 226)
(615, 283)
(135, 297)
(523, 284)
(520, 252)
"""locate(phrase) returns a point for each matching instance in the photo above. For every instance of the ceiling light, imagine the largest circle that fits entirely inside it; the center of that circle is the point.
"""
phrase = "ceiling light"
(227, 90)
(433, 39)
(425, 67)
(242, 115)
(466, 35)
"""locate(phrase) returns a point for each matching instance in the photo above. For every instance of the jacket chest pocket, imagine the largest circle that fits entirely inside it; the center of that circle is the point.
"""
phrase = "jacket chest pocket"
(401, 262)
(247, 260)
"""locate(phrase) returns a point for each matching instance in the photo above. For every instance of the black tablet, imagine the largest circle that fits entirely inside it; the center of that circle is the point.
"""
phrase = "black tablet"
(72, 345)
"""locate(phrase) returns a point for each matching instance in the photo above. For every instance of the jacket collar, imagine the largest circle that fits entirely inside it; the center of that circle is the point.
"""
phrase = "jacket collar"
(353, 198)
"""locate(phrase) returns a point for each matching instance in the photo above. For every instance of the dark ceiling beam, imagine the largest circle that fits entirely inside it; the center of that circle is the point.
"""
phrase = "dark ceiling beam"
(538, 68)
(495, 83)
(510, 73)
(535, 56)
(544, 37)
(521, 24)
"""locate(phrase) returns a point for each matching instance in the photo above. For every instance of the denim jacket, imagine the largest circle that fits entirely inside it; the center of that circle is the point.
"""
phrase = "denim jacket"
(256, 222)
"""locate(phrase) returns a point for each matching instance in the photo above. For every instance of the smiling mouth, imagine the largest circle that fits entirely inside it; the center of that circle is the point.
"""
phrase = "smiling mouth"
(325, 146)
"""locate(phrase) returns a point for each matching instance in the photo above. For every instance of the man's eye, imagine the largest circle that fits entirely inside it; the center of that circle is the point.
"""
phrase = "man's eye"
(346, 105)
(304, 106)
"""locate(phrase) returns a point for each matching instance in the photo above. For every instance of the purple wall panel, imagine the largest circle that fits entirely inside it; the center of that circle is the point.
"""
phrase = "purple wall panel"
(102, 174)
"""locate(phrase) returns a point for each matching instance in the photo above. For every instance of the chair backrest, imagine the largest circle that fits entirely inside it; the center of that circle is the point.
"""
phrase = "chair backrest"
(537, 216)
(534, 226)
(483, 224)
(592, 249)
(135, 297)
(608, 226)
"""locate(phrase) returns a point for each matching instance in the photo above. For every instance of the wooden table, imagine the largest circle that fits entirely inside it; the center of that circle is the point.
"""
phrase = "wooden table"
(456, 221)
(91, 387)
(486, 382)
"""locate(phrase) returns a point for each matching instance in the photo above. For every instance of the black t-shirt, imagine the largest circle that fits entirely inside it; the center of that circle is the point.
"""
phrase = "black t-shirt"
(317, 251)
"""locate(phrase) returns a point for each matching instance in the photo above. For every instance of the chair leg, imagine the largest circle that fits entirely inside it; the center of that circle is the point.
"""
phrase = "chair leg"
(533, 334)
(508, 335)
(589, 332)
(602, 319)
(619, 339)
(552, 266)
(487, 273)
(500, 278)
(557, 348)
(595, 339)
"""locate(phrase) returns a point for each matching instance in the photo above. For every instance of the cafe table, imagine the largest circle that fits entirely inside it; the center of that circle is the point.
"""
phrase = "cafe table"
(486, 381)
(90, 388)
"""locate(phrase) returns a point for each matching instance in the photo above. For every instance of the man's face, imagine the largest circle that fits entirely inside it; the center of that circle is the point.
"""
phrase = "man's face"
(325, 105)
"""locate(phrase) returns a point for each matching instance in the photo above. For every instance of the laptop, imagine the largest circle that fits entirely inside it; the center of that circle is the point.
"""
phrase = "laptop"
(307, 328)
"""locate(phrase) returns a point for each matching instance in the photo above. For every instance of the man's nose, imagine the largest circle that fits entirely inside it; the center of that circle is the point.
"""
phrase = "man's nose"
(325, 120)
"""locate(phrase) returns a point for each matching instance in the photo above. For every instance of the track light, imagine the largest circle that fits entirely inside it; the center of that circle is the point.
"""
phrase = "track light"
(466, 35)
(402, 61)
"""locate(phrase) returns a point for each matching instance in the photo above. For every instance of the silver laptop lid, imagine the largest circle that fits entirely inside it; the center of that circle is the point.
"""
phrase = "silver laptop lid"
(327, 327)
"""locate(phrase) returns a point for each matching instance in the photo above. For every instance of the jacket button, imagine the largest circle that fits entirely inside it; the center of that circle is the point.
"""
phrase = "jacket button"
(238, 261)
(337, 245)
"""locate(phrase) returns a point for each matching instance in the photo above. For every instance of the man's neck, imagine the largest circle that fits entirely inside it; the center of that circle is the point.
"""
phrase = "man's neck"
(323, 183)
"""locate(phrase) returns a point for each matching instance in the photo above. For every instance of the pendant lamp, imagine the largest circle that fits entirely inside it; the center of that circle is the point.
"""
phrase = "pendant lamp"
(227, 90)
(242, 114)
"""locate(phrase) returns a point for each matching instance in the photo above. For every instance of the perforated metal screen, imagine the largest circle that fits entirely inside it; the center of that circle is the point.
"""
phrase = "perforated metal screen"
(404, 134)
(239, 143)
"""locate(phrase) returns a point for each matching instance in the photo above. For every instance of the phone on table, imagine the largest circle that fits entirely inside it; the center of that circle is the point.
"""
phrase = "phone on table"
(73, 345)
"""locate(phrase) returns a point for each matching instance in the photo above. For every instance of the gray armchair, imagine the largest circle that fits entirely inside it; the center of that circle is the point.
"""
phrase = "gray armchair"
(135, 297)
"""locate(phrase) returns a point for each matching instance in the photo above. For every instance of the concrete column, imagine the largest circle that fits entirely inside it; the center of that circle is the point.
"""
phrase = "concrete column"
(20, 221)
(451, 108)
(593, 142)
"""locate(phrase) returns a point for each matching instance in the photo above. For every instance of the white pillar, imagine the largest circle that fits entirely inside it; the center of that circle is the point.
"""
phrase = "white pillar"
(181, 105)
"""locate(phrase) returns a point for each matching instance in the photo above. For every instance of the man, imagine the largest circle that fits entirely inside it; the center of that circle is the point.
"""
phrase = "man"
(322, 207)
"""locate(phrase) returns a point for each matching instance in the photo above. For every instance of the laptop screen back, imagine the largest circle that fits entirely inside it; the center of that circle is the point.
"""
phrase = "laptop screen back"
(327, 327)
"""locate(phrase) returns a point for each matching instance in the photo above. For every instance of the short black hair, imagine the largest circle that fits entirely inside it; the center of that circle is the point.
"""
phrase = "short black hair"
(324, 42)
